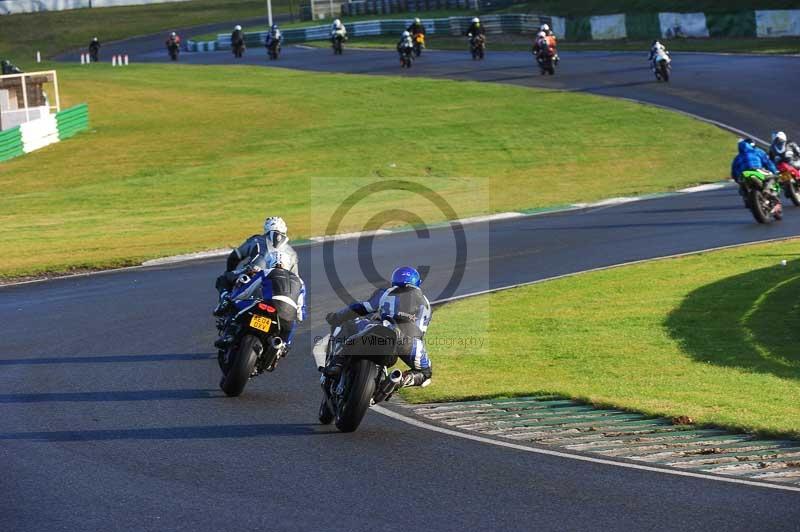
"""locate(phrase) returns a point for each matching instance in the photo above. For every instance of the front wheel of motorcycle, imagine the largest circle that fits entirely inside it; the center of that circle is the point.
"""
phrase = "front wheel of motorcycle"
(241, 366)
(790, 189)
(357, 396)
(757, 207)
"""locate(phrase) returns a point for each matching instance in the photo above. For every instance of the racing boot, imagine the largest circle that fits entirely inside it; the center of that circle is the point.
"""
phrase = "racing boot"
(415, 377)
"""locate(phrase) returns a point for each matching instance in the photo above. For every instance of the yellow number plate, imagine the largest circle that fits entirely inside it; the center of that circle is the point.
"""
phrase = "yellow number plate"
(261, 323)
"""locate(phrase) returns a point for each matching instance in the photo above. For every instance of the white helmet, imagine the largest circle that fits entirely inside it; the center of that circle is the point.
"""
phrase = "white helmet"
(780, 136)
(417, 21)
(337, 23)
(545, 27)
(276, 231)
(476, 20)
(173, 34)
(541, 35)
(406, 35)
(237, 28)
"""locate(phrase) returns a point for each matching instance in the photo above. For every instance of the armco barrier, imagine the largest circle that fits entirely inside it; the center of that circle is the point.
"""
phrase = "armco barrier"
(774, 23)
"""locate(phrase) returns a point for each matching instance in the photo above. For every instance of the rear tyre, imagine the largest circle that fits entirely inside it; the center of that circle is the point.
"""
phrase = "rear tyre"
(664, 71)
(790, 189)
(241, 367)
(358, 395)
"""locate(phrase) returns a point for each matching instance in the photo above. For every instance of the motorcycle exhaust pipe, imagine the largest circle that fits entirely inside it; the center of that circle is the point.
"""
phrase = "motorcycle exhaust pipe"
(389, 386)
(277, 343)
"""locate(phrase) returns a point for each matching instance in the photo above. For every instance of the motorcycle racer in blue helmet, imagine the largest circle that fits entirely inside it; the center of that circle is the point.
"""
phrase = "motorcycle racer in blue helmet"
(404, 304)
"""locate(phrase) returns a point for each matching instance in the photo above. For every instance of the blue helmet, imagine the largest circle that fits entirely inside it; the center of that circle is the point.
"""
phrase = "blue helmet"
(406, 275)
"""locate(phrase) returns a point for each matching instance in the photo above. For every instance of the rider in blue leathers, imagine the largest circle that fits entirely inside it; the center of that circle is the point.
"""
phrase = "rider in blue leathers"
(269, 278)
(406, 305)
(750, 158)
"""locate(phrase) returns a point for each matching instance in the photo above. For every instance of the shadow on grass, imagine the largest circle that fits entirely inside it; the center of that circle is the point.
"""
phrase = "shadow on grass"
(748, 321)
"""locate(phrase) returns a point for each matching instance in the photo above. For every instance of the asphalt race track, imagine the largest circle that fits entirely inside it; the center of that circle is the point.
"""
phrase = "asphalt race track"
(112, 419)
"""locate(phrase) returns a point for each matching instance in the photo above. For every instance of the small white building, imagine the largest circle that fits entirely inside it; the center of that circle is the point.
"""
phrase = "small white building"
(27, 97)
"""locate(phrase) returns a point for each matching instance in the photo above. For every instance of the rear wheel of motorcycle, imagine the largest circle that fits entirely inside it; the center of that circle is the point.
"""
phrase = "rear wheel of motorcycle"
(792, 192)
(664, 71)
(358, 395)
(325, 414)
(757, 207)
(241, 367)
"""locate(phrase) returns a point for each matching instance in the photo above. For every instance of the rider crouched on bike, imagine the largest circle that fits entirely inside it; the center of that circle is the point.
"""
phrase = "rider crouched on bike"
(416, 28)
(550, 40)
(655, 49)
(404, 304)
(405, 44)
(274, 238)
(751, 157)
(274, 37)
(276, 284)
(173, 40)
(338, 31)
(543, 46)
(475, 29)
(783, 151)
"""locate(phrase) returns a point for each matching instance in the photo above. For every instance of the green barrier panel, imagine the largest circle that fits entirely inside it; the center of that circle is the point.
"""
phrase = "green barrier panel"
(75, 122)
(10, 141)
(71, 118)
(642, 26)
(71, 130)
(81, 108)
(11, 154)
(579, 29)
(742, 24)
(10, 144)
(72, 121)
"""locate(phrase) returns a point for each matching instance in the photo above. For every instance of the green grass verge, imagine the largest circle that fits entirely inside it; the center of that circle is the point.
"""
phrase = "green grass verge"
(175, 151)
(786, 45)
(52, 32)
(711, 336)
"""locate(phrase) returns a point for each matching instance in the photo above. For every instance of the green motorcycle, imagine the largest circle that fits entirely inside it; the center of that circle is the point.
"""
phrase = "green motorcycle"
(761, 192)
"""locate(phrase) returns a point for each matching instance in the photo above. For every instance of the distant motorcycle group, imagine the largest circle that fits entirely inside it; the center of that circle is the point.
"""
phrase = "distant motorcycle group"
(762, 176)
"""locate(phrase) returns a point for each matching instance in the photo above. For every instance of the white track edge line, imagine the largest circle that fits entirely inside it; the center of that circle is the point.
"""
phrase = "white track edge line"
(562, 454)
